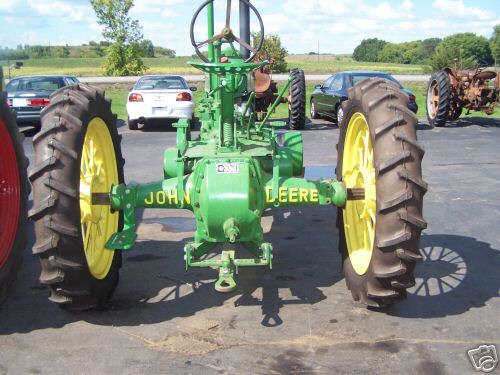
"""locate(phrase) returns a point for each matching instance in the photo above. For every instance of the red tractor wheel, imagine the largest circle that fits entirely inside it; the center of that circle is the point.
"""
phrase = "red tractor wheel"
(13, 198)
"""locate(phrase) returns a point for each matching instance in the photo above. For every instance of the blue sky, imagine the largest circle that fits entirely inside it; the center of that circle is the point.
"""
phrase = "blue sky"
(338, 26)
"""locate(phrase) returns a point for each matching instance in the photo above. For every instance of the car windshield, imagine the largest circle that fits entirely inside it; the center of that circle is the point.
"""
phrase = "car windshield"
(161, 83)
(34, 84)
(361, 76)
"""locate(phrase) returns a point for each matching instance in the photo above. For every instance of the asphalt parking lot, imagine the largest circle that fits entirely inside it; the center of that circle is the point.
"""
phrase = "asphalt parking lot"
(298, 318)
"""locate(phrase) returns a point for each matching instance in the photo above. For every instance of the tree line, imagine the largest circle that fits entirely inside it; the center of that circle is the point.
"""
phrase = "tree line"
(92, 49)
(467, 49)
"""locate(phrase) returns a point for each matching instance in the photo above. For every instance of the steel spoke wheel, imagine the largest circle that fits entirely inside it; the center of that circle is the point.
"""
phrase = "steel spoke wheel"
(379, 160)
(433, 99)
(98, 173)
(227, 34)
(77, 153)
(438, 99)
(359, 173)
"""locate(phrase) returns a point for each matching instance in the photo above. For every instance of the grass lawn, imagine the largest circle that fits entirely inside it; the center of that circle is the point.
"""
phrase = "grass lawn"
(85, 67)
(118, 94)
(328, 64)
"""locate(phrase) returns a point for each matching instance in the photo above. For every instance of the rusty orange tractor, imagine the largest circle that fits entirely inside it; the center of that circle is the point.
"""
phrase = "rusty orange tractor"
(452, 90)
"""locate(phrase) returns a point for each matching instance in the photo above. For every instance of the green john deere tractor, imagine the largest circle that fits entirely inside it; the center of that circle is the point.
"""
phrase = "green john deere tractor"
(236, 168)
(13, 194)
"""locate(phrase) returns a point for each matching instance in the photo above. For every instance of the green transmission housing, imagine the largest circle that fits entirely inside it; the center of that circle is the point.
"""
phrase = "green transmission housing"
(236, 169)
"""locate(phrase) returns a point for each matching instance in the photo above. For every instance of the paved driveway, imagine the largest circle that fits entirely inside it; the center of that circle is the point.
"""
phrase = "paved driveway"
(298, 318)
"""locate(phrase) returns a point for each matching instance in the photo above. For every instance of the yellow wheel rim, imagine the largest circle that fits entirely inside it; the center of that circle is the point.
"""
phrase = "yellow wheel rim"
(358, 172)
(98, 172)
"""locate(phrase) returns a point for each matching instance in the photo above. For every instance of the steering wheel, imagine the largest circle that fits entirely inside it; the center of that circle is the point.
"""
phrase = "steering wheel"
(227, 32)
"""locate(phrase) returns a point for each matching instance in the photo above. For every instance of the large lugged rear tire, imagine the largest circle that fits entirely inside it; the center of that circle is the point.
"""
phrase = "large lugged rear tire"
(379, 231)
(77, 153)
(438, 99)
(297, 105)
(13, 198)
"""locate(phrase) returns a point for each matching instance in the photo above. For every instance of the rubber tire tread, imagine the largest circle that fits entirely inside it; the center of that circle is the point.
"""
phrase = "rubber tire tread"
(444, 85)
(297, 105)
(132, 124)
(10, 269)
(58, 234)
(381, 285)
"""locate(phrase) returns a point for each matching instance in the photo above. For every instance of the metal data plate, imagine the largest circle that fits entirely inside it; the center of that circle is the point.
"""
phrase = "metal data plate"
(232, 168)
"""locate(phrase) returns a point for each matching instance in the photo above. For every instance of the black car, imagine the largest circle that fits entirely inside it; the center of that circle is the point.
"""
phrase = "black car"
(327, 97)
(28, 95)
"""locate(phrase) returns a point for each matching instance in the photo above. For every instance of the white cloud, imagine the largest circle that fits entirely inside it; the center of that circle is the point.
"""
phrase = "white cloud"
(8, 6)
(403, 26)
(338, 25)
(274, 23)
(68, 12)
(156, 6)
(407, 6)
(430, 24)
(96, 27)
(457, 8)
(30, 37)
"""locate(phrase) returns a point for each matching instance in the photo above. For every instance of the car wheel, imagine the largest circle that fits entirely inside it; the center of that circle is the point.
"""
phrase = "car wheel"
(132, 124)
(340, 114)
(314, 114)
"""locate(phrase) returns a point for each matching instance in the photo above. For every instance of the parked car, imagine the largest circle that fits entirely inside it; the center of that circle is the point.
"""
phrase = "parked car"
(28, 95)
(327, 97)
(159, 97)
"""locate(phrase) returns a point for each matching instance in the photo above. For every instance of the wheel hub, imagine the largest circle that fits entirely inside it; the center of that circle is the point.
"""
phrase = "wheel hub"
(98, 172)
(433, 99)
(10, 194)
(358, 173)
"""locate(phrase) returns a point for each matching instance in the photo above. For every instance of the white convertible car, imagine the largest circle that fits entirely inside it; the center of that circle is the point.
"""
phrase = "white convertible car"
(159, 97)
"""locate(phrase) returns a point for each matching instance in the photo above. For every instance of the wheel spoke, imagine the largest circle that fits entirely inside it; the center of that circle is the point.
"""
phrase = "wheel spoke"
(245, 44)
(370, 230)
(87, 237)
(85, 193)
(211, 40)
(361, 158)
(85, 160)
(85, 211)
(368, 153)
(100, 172)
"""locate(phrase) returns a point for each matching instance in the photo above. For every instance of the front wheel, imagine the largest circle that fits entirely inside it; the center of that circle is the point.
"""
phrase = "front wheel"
(314, 113)
(340, 113)
(77, 153)
(379, 160)
(438, 99)
(297, 100)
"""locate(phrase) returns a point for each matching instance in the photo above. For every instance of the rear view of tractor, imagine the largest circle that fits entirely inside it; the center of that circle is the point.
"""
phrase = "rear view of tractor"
(266, 92)
(450, 91)
(238, 167)
(13, 195)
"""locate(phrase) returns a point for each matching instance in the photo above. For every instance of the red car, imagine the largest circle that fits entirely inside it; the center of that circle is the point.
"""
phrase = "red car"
(28, 95)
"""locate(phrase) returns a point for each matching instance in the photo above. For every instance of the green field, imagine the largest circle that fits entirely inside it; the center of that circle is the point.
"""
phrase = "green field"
(312, 64)
(328, 64)
(118, 94)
